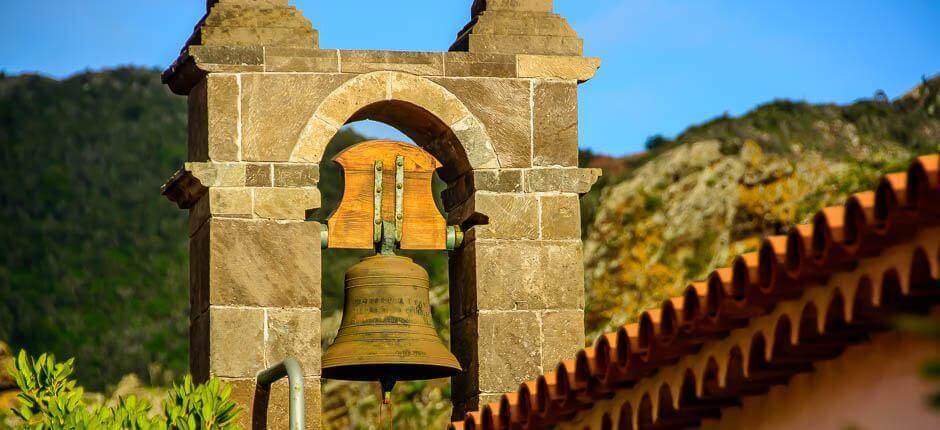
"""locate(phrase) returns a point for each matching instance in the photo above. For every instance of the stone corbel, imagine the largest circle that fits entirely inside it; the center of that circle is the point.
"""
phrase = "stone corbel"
(184, 189)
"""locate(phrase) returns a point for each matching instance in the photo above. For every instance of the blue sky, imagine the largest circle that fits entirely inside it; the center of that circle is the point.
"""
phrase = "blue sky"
(666, 64)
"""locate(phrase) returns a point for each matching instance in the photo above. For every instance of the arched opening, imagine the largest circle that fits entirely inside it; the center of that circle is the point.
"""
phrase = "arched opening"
(428, 401)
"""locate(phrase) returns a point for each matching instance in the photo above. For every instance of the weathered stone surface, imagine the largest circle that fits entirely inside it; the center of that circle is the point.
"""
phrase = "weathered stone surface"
(264, 263)
(236, 341)
(473, 137)
(213, 119)
(206, 57)
(511, 216)
(510, 350)
(508, 121)
(259, 175)
(198, 122)
(563, 276)
(524, 44)
(230, 202)
(280, 59)
(520, 5)
(562, 336)
(561, 217)
(496, 180)
(294, 333)
(265, 16)
(509, 275)
(416, 63)
(470, 64)
(286, 203)
(557, 66)
(555, 124)
(518, 275)
(218, 174)
(313, 140)
(415, 90)
(276, 109)
(296, 175)
(515, 23)
(563, 180)
(245, 393)
(267, 36)
(211, 3)
(353, 96)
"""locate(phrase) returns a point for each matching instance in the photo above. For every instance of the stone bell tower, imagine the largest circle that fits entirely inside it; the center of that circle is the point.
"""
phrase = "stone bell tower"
(499, 111)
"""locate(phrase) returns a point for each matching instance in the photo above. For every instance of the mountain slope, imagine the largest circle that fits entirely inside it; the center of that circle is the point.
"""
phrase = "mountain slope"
(690, 204)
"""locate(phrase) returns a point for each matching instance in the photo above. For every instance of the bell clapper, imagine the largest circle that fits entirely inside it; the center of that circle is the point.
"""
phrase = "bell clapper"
(388, 384)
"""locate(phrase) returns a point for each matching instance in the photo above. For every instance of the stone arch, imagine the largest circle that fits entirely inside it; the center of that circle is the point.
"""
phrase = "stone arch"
(425, 111)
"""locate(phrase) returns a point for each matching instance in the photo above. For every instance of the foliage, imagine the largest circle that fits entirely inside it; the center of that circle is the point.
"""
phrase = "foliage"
(95, 259)
(50, 399)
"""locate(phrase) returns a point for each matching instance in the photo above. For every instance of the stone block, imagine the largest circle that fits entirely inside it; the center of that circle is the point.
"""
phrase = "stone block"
(198, 123)
(299, 37)
(286, 203)
(563, 275)
(280, 59)
(561, 217)
(555, 124)
(515, 23)
(230, 202)
(415, 63)
(496, 180)
(264, 263)
(208, 57)
(294, 333)
(414, 90)
(473, 137)
(296, 175)
(272, 17)
(509, 350)
(199, 272)
(572, 68)
(259, 175)
(471, 64)
(213, 119)
(518, 5)
(503, 106)
(218, 174)
(511, 216)
(509, 275)
(525, 44)
(236, 341)
(353, 96)
(276, 109)
(562, 180)
(562, 337)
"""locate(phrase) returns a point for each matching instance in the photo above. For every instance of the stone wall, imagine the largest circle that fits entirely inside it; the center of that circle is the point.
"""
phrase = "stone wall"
(503, 123)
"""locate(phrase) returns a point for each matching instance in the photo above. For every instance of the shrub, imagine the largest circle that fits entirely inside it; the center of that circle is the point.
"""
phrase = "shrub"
(50, 399)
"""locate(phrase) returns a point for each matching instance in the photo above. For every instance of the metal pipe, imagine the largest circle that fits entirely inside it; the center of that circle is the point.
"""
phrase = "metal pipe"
(295, 380)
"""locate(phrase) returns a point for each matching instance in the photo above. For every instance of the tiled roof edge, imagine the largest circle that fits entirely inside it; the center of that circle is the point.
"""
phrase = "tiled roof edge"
(835, 242)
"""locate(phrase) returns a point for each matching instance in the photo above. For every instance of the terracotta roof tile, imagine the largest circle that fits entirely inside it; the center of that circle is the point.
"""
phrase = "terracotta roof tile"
(764, 284)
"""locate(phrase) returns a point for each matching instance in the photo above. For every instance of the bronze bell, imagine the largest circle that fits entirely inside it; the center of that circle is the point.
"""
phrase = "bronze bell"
(387, 333)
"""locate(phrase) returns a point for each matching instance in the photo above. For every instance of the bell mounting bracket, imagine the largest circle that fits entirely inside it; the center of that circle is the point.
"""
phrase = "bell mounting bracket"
(384, 208)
